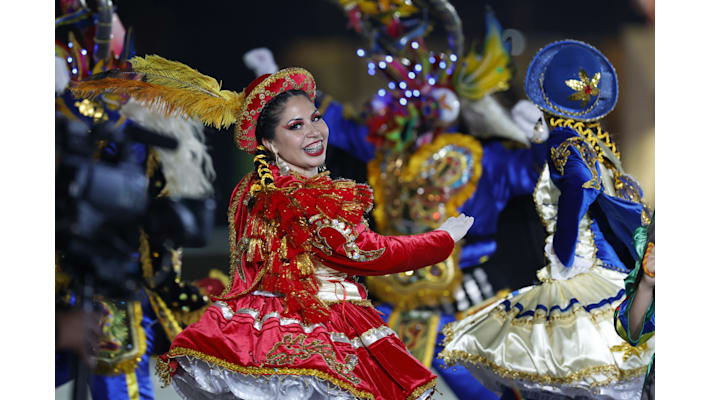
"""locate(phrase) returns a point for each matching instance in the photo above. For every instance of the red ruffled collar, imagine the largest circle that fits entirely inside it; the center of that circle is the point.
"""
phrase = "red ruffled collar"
(280, 235)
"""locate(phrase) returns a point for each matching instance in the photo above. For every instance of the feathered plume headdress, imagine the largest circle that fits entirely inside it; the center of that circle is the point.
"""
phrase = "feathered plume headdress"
(171, 88)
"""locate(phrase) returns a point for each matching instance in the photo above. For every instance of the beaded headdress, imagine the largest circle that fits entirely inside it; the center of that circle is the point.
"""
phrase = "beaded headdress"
(174, 88)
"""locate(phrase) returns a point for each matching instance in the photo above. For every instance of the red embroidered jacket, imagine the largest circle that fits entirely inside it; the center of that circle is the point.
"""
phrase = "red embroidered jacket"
(278, 234)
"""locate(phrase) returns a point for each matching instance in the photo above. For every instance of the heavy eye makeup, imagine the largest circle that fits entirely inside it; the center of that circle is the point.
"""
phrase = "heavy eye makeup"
(298, 122)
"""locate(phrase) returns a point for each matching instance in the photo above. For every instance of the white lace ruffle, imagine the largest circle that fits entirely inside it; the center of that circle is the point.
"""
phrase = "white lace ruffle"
(559, 271)
(199, 380)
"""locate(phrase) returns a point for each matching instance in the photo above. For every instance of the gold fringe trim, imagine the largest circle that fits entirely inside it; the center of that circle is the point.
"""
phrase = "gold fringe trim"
(234, 262)
(164, 372)
(448, 332)
(612, 372)
(419, 391)
(233, 235)
(185, 352)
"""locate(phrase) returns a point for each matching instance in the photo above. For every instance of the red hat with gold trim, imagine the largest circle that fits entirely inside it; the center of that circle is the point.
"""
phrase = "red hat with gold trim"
(260, 92)
(174, 88)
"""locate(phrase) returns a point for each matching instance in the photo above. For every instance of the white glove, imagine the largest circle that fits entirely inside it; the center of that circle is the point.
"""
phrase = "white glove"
(531, 120)
(457, 226)
(261, 61)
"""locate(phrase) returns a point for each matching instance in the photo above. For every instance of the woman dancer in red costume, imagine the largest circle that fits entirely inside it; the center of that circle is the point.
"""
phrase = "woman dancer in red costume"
(294, 323)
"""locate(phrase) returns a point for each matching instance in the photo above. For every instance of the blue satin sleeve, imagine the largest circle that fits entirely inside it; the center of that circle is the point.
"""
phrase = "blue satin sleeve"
(622, 218)
(605, 251)
(579, 187)
(347, 134)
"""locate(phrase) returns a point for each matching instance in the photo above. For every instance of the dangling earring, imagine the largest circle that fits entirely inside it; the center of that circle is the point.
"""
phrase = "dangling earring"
(283, 166)
(322, 168)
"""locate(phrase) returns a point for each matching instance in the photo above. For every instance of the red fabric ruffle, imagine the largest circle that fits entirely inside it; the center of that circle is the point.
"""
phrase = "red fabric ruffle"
(384, 369)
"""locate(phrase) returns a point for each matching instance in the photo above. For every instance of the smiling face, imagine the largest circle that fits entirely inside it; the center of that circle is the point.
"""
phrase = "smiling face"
(300, 137)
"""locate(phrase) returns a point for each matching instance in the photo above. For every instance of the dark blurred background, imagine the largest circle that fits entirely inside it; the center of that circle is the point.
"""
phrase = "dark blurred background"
(212, 36)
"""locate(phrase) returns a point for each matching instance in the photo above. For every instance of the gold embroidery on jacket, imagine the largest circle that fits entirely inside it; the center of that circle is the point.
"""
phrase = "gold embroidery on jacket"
(348, 232)
(560, 154)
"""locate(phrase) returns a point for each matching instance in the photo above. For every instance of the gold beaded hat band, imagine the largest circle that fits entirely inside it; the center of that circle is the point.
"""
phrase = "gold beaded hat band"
(572, 79)
(172, 88)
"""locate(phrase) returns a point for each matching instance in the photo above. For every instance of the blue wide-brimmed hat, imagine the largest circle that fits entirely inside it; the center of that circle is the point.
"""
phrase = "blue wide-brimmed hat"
(572, 79)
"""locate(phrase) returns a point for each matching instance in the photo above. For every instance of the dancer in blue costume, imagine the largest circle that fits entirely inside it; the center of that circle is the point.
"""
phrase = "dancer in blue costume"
(507, 172)
(556, 339)
(131, 331)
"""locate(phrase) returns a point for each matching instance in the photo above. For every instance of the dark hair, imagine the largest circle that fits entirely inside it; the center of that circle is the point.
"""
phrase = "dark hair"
(266, 123)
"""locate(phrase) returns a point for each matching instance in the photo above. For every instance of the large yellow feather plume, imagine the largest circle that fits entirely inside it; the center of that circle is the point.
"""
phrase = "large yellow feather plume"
(479, 75)
(170, 88)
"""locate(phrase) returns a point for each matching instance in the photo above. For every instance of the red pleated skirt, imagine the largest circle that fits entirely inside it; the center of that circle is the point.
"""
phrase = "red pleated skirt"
(354, 350)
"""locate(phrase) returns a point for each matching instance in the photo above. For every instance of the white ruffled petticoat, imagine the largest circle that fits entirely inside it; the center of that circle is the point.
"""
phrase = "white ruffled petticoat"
(199, 380)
